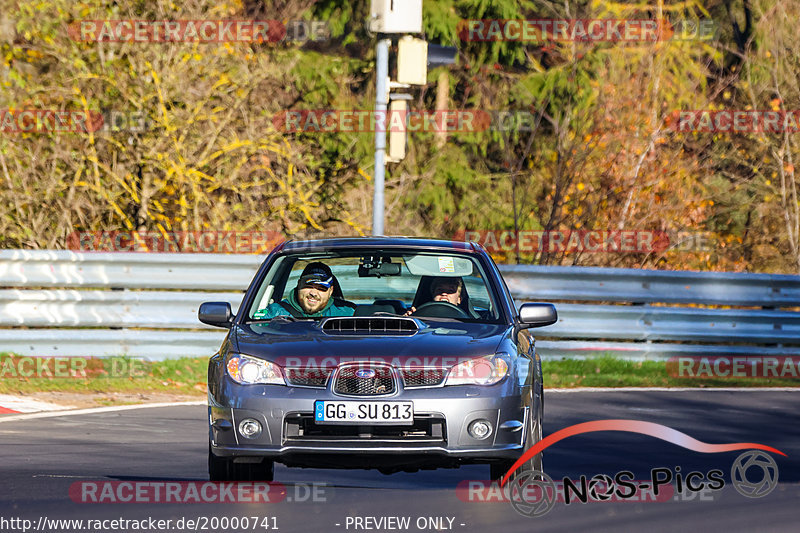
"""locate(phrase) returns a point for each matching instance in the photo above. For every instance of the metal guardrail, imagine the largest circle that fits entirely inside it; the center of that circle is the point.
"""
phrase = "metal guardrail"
(151, 344)
(529, 282)
(646, 323)
(66, 303)
(61, 268)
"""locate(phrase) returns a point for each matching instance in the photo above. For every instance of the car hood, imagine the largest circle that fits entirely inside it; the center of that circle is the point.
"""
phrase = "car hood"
(297, 341)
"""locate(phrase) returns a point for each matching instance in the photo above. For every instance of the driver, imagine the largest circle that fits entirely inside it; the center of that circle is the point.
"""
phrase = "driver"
(444, 290)
(313, 297)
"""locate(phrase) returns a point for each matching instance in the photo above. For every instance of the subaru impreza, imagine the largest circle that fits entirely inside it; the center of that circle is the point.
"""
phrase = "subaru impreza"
(397, 354)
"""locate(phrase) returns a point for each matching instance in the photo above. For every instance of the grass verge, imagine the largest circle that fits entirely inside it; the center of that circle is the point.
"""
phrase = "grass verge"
(613, 372)
(27, 375)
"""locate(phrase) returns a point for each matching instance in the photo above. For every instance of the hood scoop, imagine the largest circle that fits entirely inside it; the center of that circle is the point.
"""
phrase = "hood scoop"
(369, 326)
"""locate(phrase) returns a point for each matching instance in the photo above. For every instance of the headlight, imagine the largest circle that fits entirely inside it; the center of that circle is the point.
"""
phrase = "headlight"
(481, 371)
(249, 370)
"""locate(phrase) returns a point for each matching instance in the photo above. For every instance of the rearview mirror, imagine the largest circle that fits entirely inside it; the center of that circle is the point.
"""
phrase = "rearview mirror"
(215, 314)
(535, 315)
(376, 267)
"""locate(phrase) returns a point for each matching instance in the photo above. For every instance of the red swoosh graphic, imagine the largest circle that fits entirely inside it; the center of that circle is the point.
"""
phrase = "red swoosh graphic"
(635, 426)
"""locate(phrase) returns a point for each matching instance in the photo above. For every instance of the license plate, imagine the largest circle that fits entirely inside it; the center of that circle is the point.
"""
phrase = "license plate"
(333, 412)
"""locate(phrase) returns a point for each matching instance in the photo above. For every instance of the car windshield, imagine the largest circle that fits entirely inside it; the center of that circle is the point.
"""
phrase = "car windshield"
(421, 284)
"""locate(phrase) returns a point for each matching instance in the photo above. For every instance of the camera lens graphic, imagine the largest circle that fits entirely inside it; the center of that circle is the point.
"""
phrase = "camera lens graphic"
(601, 487)
(754, 474)
(532, 493)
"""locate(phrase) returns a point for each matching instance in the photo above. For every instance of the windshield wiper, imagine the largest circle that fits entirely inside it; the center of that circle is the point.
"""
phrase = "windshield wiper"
(442, 318)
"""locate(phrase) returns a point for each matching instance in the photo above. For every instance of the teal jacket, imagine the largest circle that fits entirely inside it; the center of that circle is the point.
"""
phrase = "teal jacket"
(276, 309)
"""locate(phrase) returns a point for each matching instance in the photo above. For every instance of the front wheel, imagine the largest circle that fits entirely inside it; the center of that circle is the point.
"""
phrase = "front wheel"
(224, 469)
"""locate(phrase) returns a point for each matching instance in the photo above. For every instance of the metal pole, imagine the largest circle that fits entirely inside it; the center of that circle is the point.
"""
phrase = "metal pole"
(381, 92)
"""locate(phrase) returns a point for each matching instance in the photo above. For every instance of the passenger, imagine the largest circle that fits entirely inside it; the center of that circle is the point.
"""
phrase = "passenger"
(317, 295)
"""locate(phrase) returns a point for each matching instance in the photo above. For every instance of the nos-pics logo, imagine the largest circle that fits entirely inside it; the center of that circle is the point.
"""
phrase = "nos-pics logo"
(532, 493)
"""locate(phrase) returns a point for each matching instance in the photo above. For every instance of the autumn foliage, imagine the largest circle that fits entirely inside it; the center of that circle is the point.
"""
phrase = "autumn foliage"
(188, 140)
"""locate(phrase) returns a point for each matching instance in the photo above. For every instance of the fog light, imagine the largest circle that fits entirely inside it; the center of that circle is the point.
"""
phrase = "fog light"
(480, 429)
(249, 428)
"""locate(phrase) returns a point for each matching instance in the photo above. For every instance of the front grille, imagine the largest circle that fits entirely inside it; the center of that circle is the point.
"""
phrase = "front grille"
(308, 377)
(425, 429)
(422, 377)
(350, 383)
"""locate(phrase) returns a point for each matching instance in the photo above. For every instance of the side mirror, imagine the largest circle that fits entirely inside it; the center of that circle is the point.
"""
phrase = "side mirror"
(215, 314)
(535, 315)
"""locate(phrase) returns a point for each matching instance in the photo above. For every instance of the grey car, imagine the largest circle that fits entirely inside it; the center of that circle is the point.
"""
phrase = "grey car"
(391, 375)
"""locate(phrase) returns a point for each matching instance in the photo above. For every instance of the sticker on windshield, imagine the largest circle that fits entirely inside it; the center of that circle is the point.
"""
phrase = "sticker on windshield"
(446, 264)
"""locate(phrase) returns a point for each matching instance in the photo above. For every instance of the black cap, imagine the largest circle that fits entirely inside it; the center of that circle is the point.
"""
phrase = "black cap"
(316, 273)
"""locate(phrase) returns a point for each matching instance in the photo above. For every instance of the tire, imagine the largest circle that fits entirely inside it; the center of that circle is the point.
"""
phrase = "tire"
(532, 436)
(224, 469)
(498, 470)
(537, 462)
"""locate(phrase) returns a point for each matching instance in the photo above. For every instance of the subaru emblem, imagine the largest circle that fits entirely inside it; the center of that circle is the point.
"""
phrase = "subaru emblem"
(365, 373)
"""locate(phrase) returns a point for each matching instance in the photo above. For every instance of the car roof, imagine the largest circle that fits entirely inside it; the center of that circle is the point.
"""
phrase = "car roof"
(382, 243)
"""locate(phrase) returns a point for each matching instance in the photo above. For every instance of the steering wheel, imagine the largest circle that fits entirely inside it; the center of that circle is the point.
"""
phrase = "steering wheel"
(440, 310)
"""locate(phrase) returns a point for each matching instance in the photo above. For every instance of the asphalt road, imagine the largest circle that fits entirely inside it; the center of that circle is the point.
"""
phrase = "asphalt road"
(43, 458)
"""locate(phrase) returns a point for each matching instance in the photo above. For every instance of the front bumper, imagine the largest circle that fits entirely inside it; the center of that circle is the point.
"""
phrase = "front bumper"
(442, 414)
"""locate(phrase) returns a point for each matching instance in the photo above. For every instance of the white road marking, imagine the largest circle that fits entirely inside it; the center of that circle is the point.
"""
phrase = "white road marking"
(29, 405)
(93, 410)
